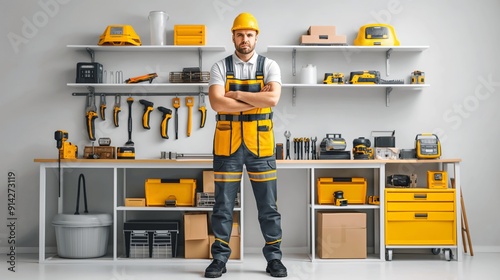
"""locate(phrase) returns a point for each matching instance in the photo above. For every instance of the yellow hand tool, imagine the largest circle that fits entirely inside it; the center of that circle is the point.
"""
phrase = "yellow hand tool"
(167, 114)
(176, 102)
(103, 107)
(90, 116)
(148, 107)
(203, 109)
(116, 110)
(189, 104)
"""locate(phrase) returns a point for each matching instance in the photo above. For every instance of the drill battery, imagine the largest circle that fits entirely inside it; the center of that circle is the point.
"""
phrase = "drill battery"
(125, 153)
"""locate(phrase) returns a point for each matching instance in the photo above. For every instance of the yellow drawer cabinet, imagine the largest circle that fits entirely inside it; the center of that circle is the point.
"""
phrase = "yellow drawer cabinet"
(420, 217)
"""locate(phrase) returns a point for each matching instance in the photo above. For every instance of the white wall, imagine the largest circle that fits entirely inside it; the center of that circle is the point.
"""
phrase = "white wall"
(459, 105)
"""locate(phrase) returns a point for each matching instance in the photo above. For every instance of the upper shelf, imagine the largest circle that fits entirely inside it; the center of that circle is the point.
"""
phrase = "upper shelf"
(348, 48)
(147, 48)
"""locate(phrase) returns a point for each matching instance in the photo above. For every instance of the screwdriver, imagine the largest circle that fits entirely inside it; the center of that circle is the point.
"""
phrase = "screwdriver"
(176, 102)
(189, 104)
(167, 114)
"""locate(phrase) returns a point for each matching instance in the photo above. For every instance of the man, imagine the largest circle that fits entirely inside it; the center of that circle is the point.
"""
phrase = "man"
(243, 88)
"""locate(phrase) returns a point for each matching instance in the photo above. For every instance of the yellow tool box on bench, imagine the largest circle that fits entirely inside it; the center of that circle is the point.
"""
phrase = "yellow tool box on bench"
(189, 35)
(354, 189)
(158, 191)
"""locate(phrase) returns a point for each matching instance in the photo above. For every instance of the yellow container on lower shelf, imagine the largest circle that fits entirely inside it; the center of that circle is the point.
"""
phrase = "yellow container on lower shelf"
(158, 191)
(354, 189)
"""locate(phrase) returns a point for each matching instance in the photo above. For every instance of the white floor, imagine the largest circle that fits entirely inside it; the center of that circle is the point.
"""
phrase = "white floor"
(483, 266)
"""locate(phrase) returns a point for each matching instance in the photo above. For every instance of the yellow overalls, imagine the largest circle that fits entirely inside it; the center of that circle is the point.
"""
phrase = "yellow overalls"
(245, 138)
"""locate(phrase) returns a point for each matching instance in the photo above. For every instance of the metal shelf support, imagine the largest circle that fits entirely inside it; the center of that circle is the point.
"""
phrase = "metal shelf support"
(294, 96)
(91, 53)
(294, 56)
(387, 58)
(387, 96)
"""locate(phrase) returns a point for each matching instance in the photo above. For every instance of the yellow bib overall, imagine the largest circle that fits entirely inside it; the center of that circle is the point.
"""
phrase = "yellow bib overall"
(253, 128)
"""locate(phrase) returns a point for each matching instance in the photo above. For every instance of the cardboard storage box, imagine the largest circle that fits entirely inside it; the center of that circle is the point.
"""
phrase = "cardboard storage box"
(135, 202)
(208, 182)
(196, 236)
(234, 244)
(195, 226)
(341, 235)
(196, 249)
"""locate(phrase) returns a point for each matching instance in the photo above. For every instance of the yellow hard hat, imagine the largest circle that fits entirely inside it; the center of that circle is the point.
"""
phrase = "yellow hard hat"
(245, 21)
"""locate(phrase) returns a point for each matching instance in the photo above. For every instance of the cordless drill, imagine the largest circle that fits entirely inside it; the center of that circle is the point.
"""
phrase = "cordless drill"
(66, 149)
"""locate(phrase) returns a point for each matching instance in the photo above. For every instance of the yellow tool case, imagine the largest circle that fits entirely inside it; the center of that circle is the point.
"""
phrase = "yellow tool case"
(354, 189)
(420, 217)
(189, 35)
(180, 192)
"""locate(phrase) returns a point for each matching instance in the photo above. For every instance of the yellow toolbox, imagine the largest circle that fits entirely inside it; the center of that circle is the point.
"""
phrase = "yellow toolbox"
(189, 35)
(420, 216)
(354, 189)
(181, 191)
(437, 179)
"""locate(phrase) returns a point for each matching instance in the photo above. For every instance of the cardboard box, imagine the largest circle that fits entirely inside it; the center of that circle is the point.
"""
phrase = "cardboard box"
(341, 235)
(234, 244)
(236, 225)
(323, 35)
(195, 226)
(208, 181)
(196, 249)
(135, 202)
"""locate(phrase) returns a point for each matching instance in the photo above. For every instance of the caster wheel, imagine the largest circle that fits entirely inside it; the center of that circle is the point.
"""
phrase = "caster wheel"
(448, 254)
(435, 251)
(388, 255)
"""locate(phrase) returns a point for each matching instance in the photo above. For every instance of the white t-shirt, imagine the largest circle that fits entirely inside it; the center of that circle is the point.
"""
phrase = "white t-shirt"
(245, 70)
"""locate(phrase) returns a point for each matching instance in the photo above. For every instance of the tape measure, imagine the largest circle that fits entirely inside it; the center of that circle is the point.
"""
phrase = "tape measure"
(427, 146)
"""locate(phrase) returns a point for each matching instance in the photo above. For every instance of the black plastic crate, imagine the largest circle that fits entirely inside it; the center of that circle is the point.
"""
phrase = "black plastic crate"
(151, 238)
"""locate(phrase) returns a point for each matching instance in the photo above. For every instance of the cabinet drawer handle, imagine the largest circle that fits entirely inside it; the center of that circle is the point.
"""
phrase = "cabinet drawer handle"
(424, 195)
(421, 215)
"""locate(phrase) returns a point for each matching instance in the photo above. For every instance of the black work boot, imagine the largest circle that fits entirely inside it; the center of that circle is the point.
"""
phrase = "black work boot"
(276, 268)
(215, 269)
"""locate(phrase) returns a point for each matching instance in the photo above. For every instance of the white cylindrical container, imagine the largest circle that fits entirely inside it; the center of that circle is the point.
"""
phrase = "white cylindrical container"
(158, 27)
(309, 75)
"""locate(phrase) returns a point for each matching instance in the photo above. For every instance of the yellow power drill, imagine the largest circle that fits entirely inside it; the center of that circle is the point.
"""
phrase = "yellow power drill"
(67, 150)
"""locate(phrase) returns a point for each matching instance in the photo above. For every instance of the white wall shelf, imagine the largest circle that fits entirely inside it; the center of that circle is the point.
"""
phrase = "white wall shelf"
(350, 49)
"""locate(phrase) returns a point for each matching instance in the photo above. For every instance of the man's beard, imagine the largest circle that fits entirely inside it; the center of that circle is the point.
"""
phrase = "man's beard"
(245, 50)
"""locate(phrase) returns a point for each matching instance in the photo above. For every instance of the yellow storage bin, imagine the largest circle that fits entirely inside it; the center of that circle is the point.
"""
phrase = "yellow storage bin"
(189, 35)
(354, 189)
(159, 190)
(420, 228)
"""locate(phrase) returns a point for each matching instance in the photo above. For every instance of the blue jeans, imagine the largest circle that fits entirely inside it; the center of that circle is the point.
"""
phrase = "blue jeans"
(262, 173)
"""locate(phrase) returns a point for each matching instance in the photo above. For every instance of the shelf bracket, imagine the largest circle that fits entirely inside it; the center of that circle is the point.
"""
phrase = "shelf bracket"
(294, 96)
(387, 96)
(92, 54)
(200, 60)
(294, 56)
(387, 58)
